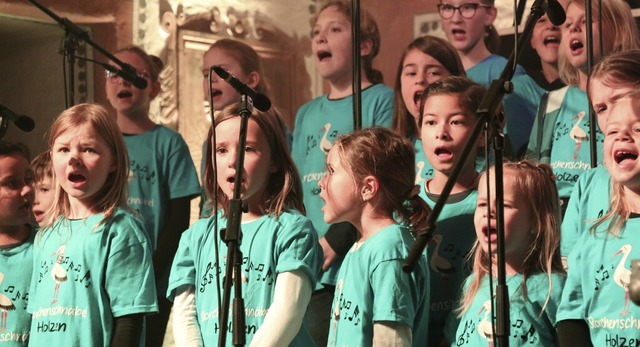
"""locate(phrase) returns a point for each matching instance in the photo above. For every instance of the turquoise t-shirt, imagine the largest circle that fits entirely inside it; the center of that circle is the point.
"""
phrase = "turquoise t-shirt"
(527, 326)
(16, 267)
(597, 285)
(318, 123)
(85, 275)
(570, 151)
(589, 201)
(519, 106)
(269, 247)
(372, 287)
(424, 169)
(447, 252)
(161, 170)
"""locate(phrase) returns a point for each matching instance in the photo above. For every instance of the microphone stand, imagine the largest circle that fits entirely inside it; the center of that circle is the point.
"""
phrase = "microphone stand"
(487, 115)
(232, 236)
(73, 33)
(357, 78)
(592, 116)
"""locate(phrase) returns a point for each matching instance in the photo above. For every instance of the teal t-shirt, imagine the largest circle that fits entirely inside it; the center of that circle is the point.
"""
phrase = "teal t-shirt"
(85, 275)
(161, 170)
(424, 169)
(269, 247)
(318, 123)
(372, 287)
(589, 201)
(16, 267)
(519, 106)
(570, 142)
(597, 285)
(446, 253)
(528, 324)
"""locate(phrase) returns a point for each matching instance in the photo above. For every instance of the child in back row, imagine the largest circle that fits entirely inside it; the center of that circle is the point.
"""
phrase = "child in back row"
(370, 184)
(282, 257)
(560, 134)
(163, 178)
(320, 121)
(44, 186)
(534, 272)
(596, 307)
(92, 248)
(427, 59)
(16, 243)
(241, 61)
(447, 117)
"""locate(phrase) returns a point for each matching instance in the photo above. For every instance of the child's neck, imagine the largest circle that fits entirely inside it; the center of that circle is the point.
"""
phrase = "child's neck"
(632, 198)
(370, 223)
(511, 267)
(134, 124)
(342, 88)
(13, 235)
(550, 71)
(80, 209)
(474, 56)
(466, 181)
(583, 78)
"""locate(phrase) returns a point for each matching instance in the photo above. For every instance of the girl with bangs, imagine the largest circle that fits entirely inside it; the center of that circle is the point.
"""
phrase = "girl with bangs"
(92, 247)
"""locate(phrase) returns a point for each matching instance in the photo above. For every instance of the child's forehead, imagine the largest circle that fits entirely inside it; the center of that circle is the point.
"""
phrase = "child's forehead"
(626, 109)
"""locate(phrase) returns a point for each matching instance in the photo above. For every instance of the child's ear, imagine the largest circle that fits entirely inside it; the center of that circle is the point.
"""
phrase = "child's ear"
(369, 188)
(366, 47)
(254, 79)
(155, 89)
(492, 13)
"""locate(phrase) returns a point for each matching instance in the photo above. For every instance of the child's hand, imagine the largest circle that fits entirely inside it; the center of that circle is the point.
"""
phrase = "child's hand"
(329, 254)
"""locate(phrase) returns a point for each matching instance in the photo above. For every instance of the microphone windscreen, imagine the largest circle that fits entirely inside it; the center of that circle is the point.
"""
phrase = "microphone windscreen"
(25, 123)
(262, 102)
(555, 12)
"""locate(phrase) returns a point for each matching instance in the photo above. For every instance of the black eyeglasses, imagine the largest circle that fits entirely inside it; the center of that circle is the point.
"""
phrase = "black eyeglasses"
(467, 11)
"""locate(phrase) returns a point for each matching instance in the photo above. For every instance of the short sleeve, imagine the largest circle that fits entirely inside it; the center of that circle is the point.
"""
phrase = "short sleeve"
(183, 269)
(298, 248)
(394, 293)
(572, 301)
(129, 262)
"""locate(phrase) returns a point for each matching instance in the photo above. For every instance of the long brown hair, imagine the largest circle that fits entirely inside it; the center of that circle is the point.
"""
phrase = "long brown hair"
(284, 190)
(536, 182)
(442, 51)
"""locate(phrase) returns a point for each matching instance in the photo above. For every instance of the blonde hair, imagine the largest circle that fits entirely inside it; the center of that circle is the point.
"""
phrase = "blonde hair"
(284, 188)
(620, 207)
(113, 193)
(368, 31)
(42, 166)
(382, 153)
(620, 69)
(618, 25)
(246, 57)
(536, 183)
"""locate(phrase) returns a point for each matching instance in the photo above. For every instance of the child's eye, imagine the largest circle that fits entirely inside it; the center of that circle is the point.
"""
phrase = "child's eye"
(600, 109)
(89, 150)
(221, 150)
(481, 204)
(429, 122)
(456, 122)
(249, 149)
(336, 29)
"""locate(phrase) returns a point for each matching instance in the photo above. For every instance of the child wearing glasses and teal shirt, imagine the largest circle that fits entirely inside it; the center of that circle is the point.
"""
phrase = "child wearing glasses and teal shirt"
(163, 178)
(469, 28)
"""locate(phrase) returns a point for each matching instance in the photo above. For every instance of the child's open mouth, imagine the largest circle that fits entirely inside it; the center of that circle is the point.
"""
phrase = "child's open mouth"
(324, 55)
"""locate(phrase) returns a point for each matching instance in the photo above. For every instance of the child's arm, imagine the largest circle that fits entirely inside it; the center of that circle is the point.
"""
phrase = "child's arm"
(290, 300)
(391, 334)
(186, 330)
(127, 331)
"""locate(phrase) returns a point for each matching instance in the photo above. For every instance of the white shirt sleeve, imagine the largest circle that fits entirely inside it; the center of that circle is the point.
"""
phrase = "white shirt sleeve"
(186, 330)
(284, 318)
(391, 334)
